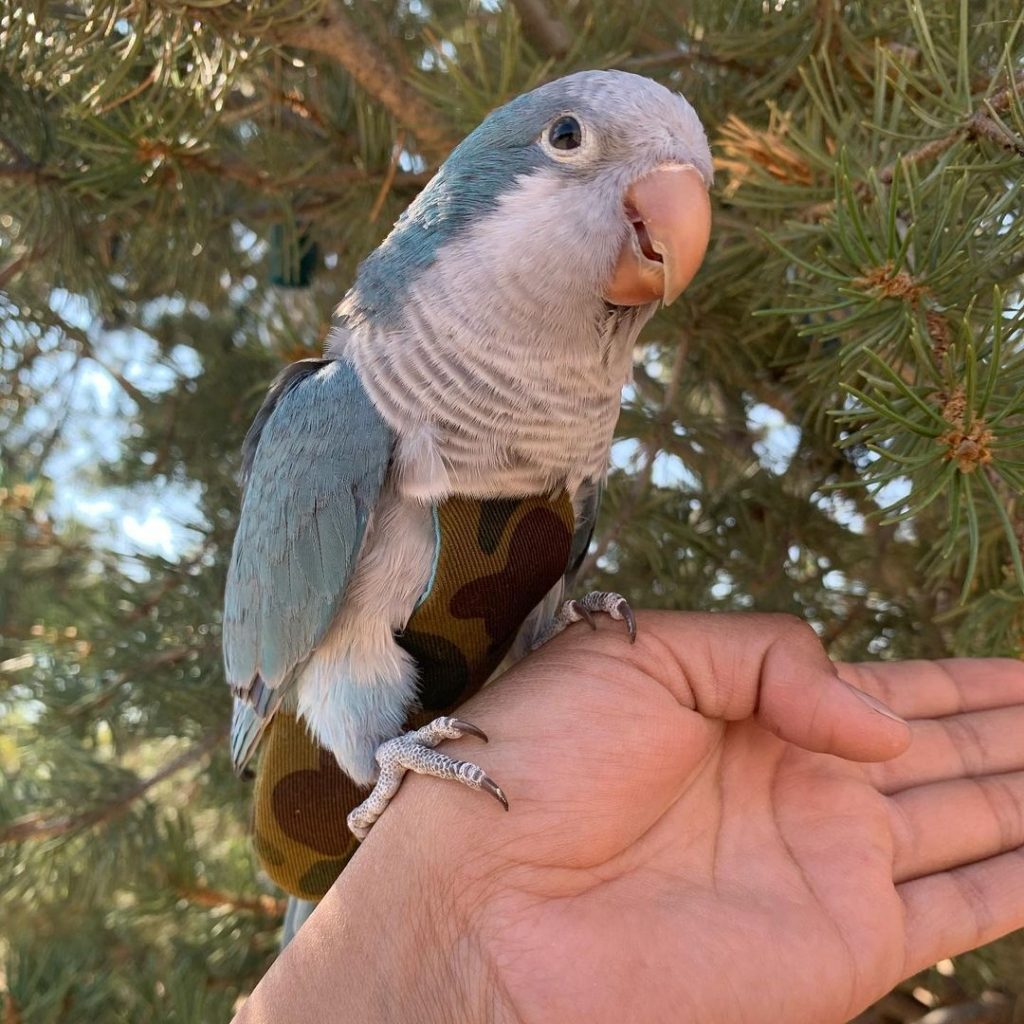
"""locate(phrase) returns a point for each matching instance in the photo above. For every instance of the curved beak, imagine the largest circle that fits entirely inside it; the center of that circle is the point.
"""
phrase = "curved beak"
(670, 214)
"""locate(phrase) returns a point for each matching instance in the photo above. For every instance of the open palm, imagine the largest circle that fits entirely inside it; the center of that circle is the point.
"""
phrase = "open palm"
(676, 850)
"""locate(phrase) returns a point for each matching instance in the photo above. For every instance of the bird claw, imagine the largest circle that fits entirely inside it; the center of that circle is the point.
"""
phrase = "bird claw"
(584, 614)
(624, 612)
(414, 751)
(605, 602)
(488, 784)
(466, 729)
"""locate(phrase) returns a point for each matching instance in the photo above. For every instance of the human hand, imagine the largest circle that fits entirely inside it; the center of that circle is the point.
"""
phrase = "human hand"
(676, 850)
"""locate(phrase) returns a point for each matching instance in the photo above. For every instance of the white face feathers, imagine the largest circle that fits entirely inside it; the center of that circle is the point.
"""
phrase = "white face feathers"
(541, 190)
(498, 317)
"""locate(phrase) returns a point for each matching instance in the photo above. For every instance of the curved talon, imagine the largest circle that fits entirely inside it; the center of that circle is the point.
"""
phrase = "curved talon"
(630, 619)
(488, 784)
(584, 613)
(605, 602)
(469, 729)
(416, 751)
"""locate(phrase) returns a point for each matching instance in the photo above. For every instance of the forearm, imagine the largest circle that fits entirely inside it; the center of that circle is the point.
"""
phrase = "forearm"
(368, 953)
(390, 940)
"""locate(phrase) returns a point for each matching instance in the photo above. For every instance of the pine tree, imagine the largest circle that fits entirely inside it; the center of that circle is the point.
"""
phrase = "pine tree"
(828, 423)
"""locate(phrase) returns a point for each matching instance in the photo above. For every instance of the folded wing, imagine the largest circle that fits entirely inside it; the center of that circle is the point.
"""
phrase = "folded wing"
(314, 462)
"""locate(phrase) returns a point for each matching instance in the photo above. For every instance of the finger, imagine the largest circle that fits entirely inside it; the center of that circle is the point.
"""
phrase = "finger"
(979, 743)
(989, 817)
(957, 910)
(930, 689)
(770, 666)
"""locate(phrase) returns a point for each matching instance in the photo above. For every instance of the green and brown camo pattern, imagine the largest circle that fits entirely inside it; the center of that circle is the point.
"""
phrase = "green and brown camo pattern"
(495, 562)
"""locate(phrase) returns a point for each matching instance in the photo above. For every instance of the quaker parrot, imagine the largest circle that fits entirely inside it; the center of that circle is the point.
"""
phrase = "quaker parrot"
(417, 501)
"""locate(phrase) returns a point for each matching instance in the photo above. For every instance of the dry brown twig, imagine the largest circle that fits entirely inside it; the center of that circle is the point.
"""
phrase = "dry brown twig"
(33, 827)
(18, 264)
(979, 124)
(543, 28)
(204, 896)
(998, 103)
(389, 177)
(336, 36)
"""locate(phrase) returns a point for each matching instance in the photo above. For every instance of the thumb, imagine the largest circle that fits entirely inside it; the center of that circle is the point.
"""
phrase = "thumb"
(772, 667)
(803, 700)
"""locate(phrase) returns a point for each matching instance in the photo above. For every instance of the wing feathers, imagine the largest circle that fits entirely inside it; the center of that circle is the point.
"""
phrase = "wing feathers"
(315, 460)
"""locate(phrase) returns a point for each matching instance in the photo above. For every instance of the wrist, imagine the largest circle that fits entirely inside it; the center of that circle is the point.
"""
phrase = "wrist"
(402, 947)
(410, 898)
(389, 941)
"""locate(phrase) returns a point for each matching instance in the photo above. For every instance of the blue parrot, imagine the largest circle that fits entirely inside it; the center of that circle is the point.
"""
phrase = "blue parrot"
(417, 501)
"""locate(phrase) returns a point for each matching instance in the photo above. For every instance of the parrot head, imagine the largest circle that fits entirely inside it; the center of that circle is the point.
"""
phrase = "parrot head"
(590, 190)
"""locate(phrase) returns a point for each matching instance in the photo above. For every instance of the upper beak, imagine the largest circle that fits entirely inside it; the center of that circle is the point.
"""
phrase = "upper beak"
(670, 214)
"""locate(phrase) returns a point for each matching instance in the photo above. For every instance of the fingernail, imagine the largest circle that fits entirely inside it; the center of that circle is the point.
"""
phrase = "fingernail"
(877, 705)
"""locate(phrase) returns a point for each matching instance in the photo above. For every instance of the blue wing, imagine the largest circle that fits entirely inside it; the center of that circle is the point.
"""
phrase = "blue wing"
(315, 459)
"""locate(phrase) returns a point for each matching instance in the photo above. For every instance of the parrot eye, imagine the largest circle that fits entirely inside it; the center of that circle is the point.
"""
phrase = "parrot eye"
(565, 134)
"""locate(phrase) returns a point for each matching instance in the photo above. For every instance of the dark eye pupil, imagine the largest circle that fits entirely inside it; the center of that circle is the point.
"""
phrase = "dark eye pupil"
(565, 133)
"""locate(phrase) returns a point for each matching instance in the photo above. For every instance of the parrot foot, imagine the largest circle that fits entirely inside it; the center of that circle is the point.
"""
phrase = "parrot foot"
(609, 603)
(414, 751)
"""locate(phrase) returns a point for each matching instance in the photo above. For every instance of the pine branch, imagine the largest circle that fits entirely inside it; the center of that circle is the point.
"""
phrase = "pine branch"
(983, 126)
(20, 156)
(978, 124)
(24, 168)
(18, 264)
(161, 659)
(652, 446)
(148, 81)
(172, 582)
(261, 180)
(26, 172)
(290, 105)
(139, 397)
(691, 54)
(334, 35)
(409, 183)
(56, 433)
(33, 827)
(545, 30)
(86, 347)
(327, 186)
(12, 1012)
(389, 178)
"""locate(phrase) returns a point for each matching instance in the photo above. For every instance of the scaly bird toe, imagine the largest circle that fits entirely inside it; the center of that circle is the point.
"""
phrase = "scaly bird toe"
(414, 751)
(606, 602)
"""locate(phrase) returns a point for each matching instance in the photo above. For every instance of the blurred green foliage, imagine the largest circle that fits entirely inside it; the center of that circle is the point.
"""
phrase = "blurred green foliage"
(829, 423)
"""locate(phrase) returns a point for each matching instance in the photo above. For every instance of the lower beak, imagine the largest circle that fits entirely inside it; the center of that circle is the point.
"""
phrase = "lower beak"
(670, 217)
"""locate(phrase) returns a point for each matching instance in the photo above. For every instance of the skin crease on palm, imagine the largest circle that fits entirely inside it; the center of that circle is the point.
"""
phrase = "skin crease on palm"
(677, 849)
